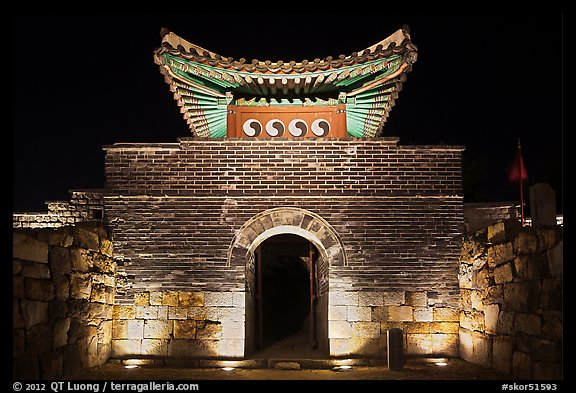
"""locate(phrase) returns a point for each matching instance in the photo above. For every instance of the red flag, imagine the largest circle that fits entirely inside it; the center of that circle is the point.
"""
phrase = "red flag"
(517, 170)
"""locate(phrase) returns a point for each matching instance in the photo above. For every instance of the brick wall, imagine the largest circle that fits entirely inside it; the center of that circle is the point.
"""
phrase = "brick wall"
(174, 210)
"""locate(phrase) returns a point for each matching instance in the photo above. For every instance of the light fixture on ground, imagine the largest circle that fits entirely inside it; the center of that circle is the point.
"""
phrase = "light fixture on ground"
(228, 368)
(342, 368)
(131, 363)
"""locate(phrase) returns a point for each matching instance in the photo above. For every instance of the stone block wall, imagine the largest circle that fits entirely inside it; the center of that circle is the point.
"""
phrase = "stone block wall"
(359, 322)
(511, 300)
(63, 296)
(84, 206)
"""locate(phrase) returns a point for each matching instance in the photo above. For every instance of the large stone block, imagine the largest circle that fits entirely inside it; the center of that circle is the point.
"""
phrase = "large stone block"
(103, 264)
(394, 298)
(553, 327)
(482, 278)
(502, 349)
(551, 297)
(61, 239)
(197, 313)
(29, 249)
(185, 329)
(423, 314)
(61, 287)
(530, 324)
(446, 314)
(379, 313)
(231, 314)
(542, 205)
(135, 329)
(177, 312)
(505, 323)
(365, 346)
(400, 313)
(142, 298)
(370, 299)
(191, 299)
(521, 365)
(474, 246)
(503, 273)
(465, 299)
(416, 327)
(477, 299)
(337, 313)
(482, 349)
(473, 320)
(418, 344)
(80, 286)
(494, 295)
(356, 313)
(60, 335)
(445, 344)
(60, 260)
(233, 348)
(155, 298)
(366, 329)
(491, 312)
(466, 344)
(86, 239)
(341, 346)
(146, 312)
(556, 259)
(98, 293)
(526, 242)
(154, 328)
(339, 329)
(120, 329)
(39, 339)
(154, 347)
(444, 327)
(522, 296)
(123, 348)
(500, 253)
(123, 312)
(343, 298)
(39, 289)
(219, 299)
(208, 330)
(35, 270)
(51, 365)
(106, 247)
(194, 348)
(416, 299)
(81, 260)
(170, 298)
(233, 330)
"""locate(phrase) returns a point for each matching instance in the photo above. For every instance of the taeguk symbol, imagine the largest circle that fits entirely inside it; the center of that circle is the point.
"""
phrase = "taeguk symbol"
(252, 127)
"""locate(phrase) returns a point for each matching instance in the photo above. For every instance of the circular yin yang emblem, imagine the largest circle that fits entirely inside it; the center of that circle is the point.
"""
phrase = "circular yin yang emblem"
(252, 127)
(320, 127)
(297, 127)
(275, 127)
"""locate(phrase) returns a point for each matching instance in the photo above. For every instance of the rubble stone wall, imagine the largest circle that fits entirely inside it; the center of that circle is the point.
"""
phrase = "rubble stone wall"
(511, 299)
(63, 296)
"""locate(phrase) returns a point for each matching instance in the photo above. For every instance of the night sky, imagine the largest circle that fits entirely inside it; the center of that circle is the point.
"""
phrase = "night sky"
(82, 81)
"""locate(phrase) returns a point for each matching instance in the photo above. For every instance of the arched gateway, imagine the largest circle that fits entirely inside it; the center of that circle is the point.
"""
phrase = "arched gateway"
(325, 251)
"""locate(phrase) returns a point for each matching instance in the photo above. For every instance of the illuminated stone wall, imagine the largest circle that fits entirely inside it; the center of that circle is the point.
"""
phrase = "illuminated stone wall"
(175, 210)
(63, 296)
(511, 299)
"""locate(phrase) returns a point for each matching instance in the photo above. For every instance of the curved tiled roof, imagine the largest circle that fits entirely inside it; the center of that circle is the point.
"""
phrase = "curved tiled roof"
(368, 82)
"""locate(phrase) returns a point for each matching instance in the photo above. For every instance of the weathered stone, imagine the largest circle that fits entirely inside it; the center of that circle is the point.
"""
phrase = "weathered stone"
(18, 343)
(491, 312)
(219, 299)
(78, 308)
(477, 299)
(370, 299)
(57, 309)
(233, 329)
(156, 347)
(99, 311)
(185, 329)
(394, 298)
(135, 329)
(530, 324)
(287, 366)
(378, 313)
(446, 314)
(157, 328)
(197, 313)
(503, 273)
(177, 312)
(60, 337)
(445, 344)
(522, 296)
(547, 370)
(417, 327)
(35, 270)
(521, 365)
(556, 260)
(51, 365)
(400, 313)
(199, 348)
(61, 286)
(416, 299)
(106, 247)
(146, 312)
(119, 329)
(29, 249)
(465, 275)
(170, 298)
(80, 286)
(418, 344)
(86, 239)
(551, 297)
(465, 299)
(81, 260)
(38, 339)
(542, 205)
(18, 288)
(366, 329)
(230, 314)
(231, 348)
(155, 298)
(123, 348)
(482, 349)
(473, 320)
(123, 312)
(61, 239)
(546, 351)
(502, 349)
(208, 330)
(474, 246)
(444, 327)
(191, 299)
(142, 298)
(482, 279)
(60, 260)
(337, 313)
(494, 295)
(466, 344)
(16, 267)
(423, 314)
(98, 293)
(339, 329)
(505, 323)
(526, 242)
(39, 289)
(103, 264)
(496, 233)
(500, 253)
(340, 346)
(356, 313)
(553, 327)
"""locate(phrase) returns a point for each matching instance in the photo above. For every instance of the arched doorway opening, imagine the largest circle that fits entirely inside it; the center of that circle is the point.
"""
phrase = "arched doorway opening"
(286, 295)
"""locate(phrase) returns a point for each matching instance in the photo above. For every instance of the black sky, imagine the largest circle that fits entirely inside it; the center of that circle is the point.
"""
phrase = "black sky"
(82, 81)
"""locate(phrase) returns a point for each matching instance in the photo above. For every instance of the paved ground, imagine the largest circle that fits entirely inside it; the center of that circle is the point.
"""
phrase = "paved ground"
(414, 370)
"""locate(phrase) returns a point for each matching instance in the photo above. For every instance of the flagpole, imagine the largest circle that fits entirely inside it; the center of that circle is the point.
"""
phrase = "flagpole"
(521, 185)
